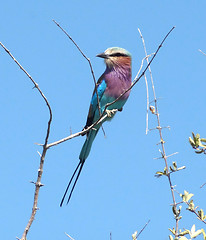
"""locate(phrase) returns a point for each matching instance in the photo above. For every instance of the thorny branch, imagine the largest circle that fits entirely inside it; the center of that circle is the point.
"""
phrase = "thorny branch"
(46, 146)
(159, 128)
(38, 183)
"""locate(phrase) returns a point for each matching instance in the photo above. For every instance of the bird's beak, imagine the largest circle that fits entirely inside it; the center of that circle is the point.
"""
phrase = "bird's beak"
(102, 55)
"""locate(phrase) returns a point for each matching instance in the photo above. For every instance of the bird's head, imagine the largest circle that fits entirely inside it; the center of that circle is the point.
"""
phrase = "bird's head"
(116, 56)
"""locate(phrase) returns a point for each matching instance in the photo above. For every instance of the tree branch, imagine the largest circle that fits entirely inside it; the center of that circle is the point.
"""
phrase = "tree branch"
(160, 133)
(38, 183)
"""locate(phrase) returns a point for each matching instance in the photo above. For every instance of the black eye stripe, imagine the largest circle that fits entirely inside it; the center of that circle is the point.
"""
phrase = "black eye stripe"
(118, 55)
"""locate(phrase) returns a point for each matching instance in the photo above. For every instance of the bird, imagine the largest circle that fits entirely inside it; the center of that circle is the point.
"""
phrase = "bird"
(113, 82)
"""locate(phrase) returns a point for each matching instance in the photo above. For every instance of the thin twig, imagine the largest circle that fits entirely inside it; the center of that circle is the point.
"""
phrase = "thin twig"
(161, 136)
(172, 154)
(202, 52)
(69, 236)
(172, 204)
(143, 229)
(142, 63)
(40, 170)
(195, 212)
(202, 185)
(147, 114)
(146, 89)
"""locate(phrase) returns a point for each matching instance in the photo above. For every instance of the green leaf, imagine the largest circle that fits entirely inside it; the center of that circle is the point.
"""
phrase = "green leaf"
(183, 238)
(191, 141)
(180, 217)
(189, 196)
(191, 206)
(186, 196)
(193, 135)
(203, 140)
(201, 214)
(181, 168)
(172, 231)
(134, 236)
(177, 211)
(203, 233)
(174, 210)
(192, 231)
(171, 169)
(199, 151)
(184, 233)
(197, 233)
(202, 145)
(174, 165)
(170, 237)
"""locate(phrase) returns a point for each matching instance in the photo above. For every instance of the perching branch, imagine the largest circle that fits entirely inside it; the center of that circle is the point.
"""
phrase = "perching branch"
(101, 119)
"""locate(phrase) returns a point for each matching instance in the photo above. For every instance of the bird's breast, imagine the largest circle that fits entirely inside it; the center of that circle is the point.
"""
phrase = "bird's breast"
(116, 84)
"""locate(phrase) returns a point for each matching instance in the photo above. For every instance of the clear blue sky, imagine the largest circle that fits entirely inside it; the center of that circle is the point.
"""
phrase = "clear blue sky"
(117, 191)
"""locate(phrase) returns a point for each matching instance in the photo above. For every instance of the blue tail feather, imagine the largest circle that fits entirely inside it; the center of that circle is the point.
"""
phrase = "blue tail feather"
(87, 145)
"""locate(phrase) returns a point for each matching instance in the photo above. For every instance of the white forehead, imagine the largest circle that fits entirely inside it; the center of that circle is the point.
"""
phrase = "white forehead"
(113, 50)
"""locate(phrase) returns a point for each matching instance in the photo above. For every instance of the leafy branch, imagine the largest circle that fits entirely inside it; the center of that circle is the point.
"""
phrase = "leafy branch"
(198, 143)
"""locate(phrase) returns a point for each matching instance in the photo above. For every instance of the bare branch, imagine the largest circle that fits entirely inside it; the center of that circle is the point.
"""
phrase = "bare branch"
(69, 236)
(143, 228)
(147, 114)
(202, 52)
(38, 183)
(202, 185)
(90, 65)
(162, 142)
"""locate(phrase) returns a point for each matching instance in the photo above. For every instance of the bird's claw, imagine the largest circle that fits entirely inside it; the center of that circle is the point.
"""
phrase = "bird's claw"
(110, 113)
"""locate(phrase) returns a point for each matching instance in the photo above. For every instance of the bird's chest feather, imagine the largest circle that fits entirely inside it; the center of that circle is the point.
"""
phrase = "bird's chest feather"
(116, 84)
(114, 88)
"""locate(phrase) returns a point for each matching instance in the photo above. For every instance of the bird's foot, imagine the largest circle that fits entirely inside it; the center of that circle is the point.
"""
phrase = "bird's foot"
(110, 113)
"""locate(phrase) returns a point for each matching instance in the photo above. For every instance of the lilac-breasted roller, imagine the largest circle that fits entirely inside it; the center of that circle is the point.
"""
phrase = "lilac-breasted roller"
(113, 82)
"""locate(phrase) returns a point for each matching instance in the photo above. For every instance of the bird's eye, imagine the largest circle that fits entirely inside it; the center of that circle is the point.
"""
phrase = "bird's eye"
(117, 55)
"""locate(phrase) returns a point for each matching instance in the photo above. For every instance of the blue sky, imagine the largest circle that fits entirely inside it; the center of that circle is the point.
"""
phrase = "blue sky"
(117, 191)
